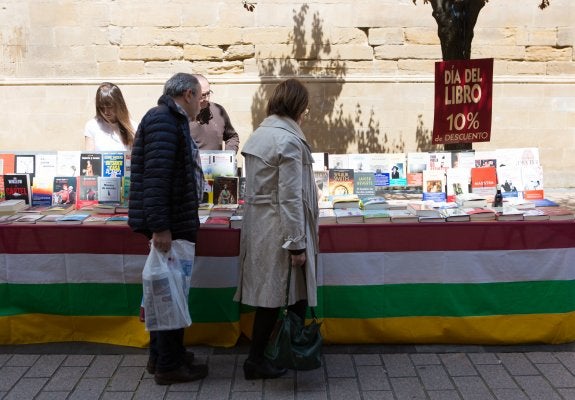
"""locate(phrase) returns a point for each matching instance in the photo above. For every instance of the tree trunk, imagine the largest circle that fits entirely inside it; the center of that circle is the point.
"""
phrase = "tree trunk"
(455, 23)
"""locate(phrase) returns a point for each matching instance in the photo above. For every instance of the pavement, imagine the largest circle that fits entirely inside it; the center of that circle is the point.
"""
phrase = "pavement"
(85, 371)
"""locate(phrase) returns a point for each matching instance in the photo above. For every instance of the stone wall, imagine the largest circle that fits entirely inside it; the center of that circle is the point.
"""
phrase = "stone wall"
(369, 65)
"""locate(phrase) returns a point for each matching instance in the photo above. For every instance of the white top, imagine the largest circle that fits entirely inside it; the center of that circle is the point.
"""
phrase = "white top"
(106, 136)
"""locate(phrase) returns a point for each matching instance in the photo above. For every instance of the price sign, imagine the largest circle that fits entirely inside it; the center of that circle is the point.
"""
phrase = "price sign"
(463, 92)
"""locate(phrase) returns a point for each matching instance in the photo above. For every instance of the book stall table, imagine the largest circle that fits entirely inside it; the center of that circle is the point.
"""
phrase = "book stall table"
(472, 282)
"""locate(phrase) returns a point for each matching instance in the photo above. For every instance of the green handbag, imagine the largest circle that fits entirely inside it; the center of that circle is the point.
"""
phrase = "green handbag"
(293, 344)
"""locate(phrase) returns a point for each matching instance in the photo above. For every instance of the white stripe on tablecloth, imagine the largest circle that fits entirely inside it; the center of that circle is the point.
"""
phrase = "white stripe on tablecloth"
(343, 269)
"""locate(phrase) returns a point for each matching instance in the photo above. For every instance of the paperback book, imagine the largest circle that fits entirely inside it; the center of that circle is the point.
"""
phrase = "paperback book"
(225, 190)
(113, 164)
(91, 164)
(109, 189)
(17, 187)
(341, 181)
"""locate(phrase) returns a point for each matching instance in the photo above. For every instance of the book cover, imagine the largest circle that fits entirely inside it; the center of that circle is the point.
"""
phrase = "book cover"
(217, 222)
(76, 218)
(359, 162)
(374, 203)
(327, 217)
(508, 213)
(455, 215)
(338, 161)
(113, 164)
(345, 201)
(8, 219)
(532, 177)
(58, 209)
(558, 213)
(397, 170)
(6, 163)
(381, 183)
(376, 217)
(96, 219)
(320, 161)
(535, 214)
(208, 196)
(126, 182)
(25, 164)
(458, 181)
(364, 184)
(46, 165)
(341, 181)
(322, 182)
(68, 163)
(402, 216)
(416, 164)
(49, 219)
(434, 185)
(2, 192)
(127, 164)
(42, 189)
(241, 189)
(463, 159)
(91, 164)
(440, 160)
(87, 193)
(484, 182)
(223, 210)
(109, 189)
(17, 187)
(117, 219)
(63, 190)
(517, 157)
(485, 158)
(509, 178)
(480, 213)
(218, 163)
(11, 206)
(28, 219)
(226, 190)
(423, 209)
(348, 215)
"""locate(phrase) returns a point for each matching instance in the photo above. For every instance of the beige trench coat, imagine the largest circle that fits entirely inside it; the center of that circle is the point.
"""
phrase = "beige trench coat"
(281, 214)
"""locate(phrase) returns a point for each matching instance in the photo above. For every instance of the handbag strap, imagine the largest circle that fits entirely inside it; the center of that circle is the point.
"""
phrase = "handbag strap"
(312, 309)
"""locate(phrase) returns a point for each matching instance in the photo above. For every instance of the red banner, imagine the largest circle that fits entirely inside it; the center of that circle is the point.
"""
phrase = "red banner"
(463, 92)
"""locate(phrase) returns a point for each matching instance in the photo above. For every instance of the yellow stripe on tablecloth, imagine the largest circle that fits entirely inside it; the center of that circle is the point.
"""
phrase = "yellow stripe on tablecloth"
(488, 330)
(122, 331)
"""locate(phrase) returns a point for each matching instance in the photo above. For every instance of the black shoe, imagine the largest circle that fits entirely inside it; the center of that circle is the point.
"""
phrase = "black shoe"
(183, 374)
(262, 370)
(151, 365)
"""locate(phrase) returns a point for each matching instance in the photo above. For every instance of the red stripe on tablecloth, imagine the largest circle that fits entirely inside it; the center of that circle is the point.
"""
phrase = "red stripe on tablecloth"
(36, 239)
(448, 236)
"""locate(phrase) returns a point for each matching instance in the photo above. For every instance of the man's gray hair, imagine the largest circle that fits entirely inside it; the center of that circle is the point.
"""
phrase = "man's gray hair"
(178, 84)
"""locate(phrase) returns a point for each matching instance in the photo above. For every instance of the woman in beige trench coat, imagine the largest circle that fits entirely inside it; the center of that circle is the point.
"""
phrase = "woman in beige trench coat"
(280, 224)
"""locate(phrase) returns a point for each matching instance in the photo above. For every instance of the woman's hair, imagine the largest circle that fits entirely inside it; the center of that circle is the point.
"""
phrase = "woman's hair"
(289, 99)
(110, 95)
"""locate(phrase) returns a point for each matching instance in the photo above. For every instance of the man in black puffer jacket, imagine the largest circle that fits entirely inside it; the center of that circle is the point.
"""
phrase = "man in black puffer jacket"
(165, 191)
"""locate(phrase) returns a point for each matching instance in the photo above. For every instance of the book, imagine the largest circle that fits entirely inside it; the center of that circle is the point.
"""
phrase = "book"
(457, 182)
(423, 209)
(535, 214)
(416, 163)
(217, 222)
(470, 200)
(364, 185)
(96, 219)
(109, 189)
(87, 193)
(105, 208)
(28, 219)
(236, 221)
(509, 179)
(558, 213)
(46, 165)
(42, 190)
(49, 219)
(485, 158)
(17, 187)
(532, 177)
(59, 209)
(348, 215)
(337, 161)
(241, 189)
(359, 162)
(91, 164)
(218, 163)
(223, 210)
(484, 182)
(376, 217)
(455, 215)
(480, 213)
(113, 164)
(68, 163)
(345, 201)
(341, 181)
(12, 206)
(402, 216)
(226, 190)
(322, 182)
(439, 161)
(63, 190)
(327, 216)
(432, 218)
(508, 213)
(397, 169)
(208, 195)
(8, 219)
(117, 219)
(205, 208)
(542, 203)
(6, 163)
(374, 203)
(434, 185)
(74, 218)
(463, 159)
(25, 164)
(320, 161)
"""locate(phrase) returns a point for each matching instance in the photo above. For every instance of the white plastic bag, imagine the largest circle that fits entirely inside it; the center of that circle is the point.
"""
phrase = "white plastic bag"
(166, 284)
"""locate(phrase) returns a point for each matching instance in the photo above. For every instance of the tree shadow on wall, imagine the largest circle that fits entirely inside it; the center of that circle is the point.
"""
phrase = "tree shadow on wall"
(328, 128)
(424, 137)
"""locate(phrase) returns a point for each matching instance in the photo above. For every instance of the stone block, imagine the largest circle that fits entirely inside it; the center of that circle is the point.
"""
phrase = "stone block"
(386, 36)
(539, 37)
(53, 13)
(80, 36)
(151, 53)
(196, 52)
(239, 52)
(565, 36)
(219, 37)
(266, 35)
(412, 51)
(120, 68)
(416, 66)
(560, 68)
(346, 36)
(125, 14)
(198, 16)
(548, 53)
(496, 36)
(526, 67)
(234, 16)
(168, 68)
(420, 35)
(106, 53)
(498, 52)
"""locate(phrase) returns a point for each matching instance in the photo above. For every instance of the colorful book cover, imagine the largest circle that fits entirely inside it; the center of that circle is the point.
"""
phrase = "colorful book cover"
(109, 189)
(91, 164)
(364, 185)
(341, 181)
(218, 163)
(87, 193)
(42, 190)
(6, 163)
(397, 169)
(64, 190)
(126, 181)
(416, 164)
(322, 182)
(208, 191)
(113, 164)
(484, 181)
(434, 185)
(17, 187)
(225, 190)
(457, 182)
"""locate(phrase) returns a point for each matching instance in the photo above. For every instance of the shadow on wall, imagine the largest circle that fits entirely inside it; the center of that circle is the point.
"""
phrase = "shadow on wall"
(328, 128)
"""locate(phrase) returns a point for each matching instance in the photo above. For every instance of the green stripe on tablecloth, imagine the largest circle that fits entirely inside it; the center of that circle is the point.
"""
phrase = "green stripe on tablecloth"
(98, 299)
(455, 300)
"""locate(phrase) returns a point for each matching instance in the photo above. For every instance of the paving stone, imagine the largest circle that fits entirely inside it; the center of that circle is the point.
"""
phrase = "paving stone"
(458, 364)
(496, 377)
(339, 366)
(567, 393)
(541, 357)
(567, 359)
(89, 388)
(125, 379)
(214, 389)
(425, 359)
(367, 359)
(398, 365)
(517, 364)
(52, 396)
(510, 394)
(180, 395)
(222, 366)
(372, 378)
(45, 366)
(78, 360)
(26, 388)
(65, 379)
(22, 360)
(434, 377)
(443, 395)
(377, 395)
(148, 390)
(407, 388)
(120, 396)
(134, 360)
(3, 359)
(343, 389)
(242, 385)
(484, 358)
(103, 366)
(313, 380)
(9, 376)
(537, 388)
(246, 396)
(472, 388)
(557, 374)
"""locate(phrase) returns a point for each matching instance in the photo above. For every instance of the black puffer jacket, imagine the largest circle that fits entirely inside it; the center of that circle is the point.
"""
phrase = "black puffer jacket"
(165, 174)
